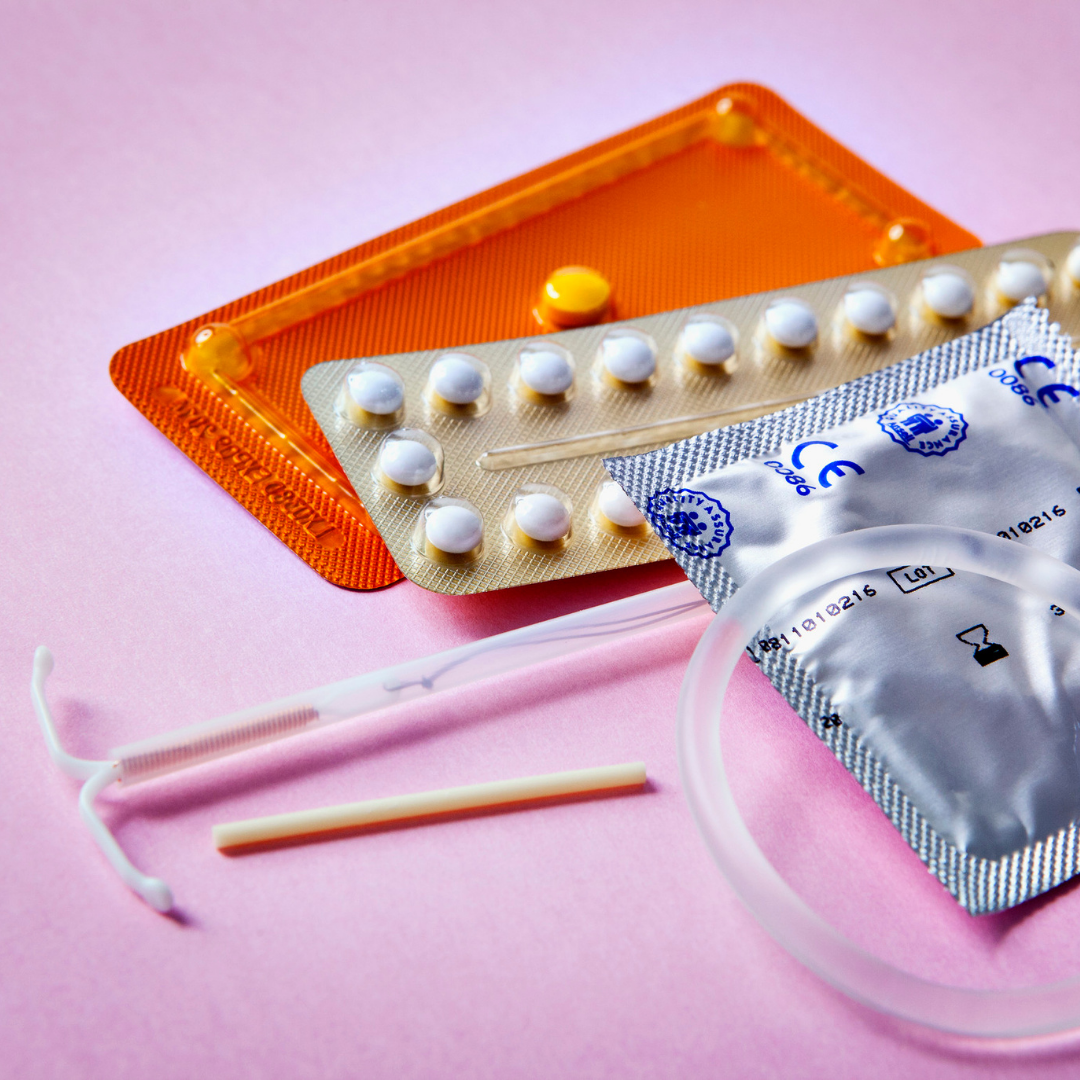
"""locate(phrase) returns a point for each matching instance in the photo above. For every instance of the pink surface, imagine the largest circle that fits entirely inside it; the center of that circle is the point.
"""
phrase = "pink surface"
(158, 160)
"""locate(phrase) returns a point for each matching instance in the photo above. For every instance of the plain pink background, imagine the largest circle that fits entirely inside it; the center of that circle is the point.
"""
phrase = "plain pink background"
(159, 159)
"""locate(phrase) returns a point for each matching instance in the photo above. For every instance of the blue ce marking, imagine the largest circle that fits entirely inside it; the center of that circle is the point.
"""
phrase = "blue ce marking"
(833, 468)
(1053, 391)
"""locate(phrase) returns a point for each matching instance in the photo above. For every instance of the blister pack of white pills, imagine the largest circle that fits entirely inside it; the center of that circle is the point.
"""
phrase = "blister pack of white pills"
(954, 699)
(481, 465)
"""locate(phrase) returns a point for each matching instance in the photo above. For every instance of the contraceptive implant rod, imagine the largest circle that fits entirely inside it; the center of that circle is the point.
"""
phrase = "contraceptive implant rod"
(426, 804)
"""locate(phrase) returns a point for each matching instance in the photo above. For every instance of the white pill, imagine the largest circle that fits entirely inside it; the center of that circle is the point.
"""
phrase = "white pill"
(618, 507)
(948, 294)
(454, 529)
(1072, 264)
(376, 391)
(869, 311)
(708, 342)
(546, 372)
(1018, 279)
(628, 358)
(541, 516)
(457, 380)
(407, 462)
(791, 323)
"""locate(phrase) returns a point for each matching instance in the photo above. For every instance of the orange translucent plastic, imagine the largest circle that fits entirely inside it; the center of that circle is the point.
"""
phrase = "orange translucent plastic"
(734, 193)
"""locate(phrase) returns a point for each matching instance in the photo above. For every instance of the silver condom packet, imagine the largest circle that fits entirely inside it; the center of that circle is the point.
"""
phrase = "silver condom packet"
(952, 698)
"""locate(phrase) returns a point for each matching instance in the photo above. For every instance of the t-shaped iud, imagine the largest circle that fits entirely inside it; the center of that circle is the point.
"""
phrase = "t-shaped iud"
(482, 659)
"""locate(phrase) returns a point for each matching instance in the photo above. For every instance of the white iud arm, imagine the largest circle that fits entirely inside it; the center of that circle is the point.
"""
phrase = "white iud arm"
(479, 660)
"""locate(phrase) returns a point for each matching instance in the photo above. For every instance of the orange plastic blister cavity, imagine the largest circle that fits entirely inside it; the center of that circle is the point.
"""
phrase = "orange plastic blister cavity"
(734, 193)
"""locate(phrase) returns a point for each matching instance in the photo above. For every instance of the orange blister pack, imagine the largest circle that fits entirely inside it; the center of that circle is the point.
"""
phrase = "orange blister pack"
(734, 193)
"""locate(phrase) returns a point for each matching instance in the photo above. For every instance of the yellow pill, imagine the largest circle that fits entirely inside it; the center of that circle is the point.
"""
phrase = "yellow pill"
(575, 296)
(903, 241)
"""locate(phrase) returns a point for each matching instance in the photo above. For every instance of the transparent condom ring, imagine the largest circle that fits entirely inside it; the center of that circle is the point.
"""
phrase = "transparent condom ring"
(1009, 1013)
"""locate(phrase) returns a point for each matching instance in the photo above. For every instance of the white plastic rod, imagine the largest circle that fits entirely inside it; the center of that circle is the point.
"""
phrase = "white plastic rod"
(424, 804)
(416, 678)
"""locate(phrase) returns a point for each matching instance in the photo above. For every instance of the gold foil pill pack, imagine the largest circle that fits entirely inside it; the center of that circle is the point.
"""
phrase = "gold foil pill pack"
(481, 465)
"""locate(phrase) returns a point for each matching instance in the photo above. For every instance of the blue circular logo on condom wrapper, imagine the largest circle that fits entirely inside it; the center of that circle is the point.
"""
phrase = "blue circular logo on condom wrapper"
(690, 521)
(930, 430)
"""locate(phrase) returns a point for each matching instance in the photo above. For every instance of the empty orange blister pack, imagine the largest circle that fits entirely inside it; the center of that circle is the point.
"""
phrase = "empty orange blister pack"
(732, 194)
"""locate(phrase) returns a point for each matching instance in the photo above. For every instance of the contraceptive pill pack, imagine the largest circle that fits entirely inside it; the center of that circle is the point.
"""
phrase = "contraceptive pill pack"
(730, 194)
(481, 465)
